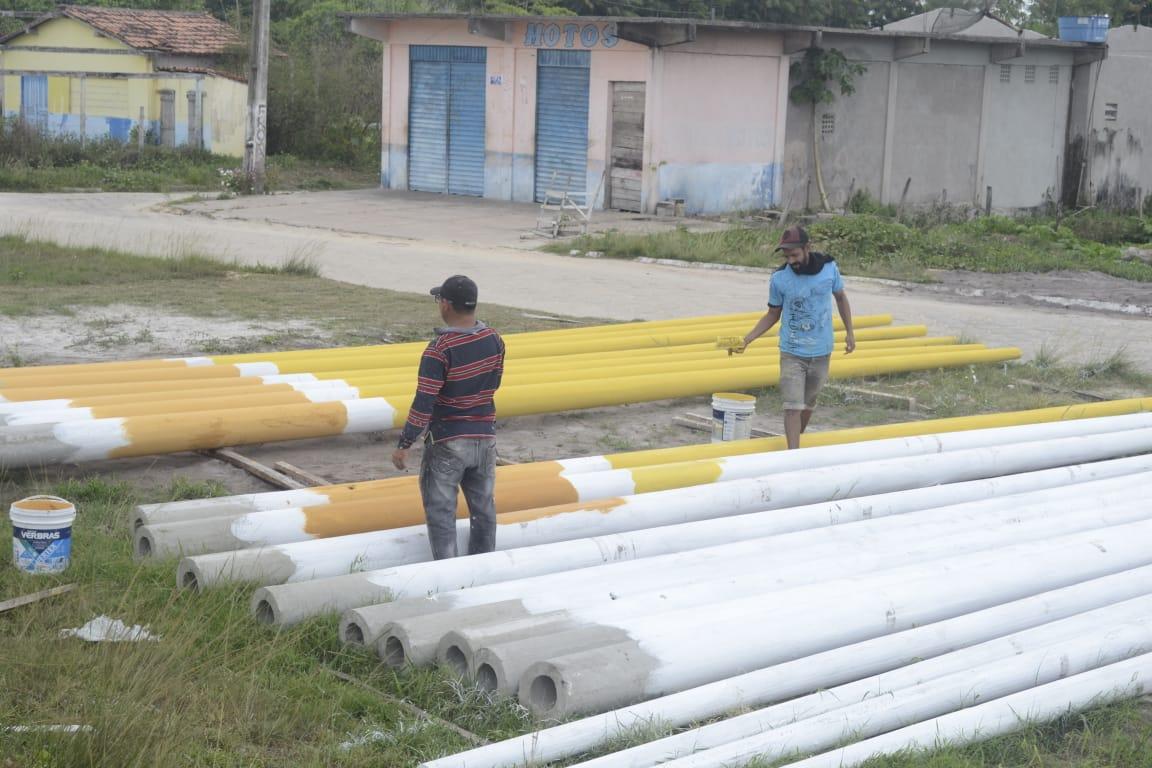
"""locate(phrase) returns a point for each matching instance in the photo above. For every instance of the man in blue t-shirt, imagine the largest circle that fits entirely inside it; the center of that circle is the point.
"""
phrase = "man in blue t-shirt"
(800, 292)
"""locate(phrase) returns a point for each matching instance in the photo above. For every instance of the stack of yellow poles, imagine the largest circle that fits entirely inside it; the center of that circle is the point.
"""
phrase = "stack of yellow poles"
(75, 441)
(355, 384)
(326, 375)
(80, 413)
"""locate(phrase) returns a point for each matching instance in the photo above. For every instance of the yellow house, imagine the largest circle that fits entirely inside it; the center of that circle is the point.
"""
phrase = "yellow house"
(114, 72)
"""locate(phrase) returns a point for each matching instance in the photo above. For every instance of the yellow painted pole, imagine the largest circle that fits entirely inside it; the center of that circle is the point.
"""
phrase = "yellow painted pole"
(888, 337)
(519, 488)
(22, 394)
(359, 357)
(147, 435)
(217, 376)
(211, 400)
(701, 351)
(524, 486)
(371, 385)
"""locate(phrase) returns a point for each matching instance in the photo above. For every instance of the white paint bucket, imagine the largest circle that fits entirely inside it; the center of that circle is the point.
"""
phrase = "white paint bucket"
(732, 416)
(42, 534)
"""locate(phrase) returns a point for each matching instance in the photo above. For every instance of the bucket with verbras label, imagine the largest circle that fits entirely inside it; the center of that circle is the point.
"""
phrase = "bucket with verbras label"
(42, 534)
(732, 416)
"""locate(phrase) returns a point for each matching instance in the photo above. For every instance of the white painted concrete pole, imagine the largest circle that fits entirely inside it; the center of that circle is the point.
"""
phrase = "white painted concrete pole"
(370, 551)
(414, 631)
(319, 392)
(244, 503)
(664, 651)
(1095, 688)
(745, 569)
(78, 441)
(802, 486)
(290, 603)
(498, 663)
(802, 675)
(287, 526)
(893, 708)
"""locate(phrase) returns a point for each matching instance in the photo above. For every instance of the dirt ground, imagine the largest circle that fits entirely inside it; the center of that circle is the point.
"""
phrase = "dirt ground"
(408, 242)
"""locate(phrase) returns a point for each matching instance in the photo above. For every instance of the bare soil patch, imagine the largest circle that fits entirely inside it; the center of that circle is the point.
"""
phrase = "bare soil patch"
(126, 332)
(1082, 291)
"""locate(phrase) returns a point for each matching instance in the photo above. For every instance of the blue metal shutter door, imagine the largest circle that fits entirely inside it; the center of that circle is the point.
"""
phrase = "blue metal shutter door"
(466, 121)
(562, 121)
(428, 118)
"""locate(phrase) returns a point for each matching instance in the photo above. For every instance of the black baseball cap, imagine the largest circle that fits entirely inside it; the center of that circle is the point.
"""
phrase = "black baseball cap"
(459, 290)
(793, 237)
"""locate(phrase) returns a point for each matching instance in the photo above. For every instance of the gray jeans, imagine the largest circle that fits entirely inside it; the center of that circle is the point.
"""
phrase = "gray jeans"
(466, 464)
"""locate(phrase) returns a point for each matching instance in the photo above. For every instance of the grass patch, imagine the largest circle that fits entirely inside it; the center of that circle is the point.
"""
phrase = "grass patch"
(217, 689)
(882, 246)
(31, 162)
(37, 277)
(947, 392)
(1115, 736)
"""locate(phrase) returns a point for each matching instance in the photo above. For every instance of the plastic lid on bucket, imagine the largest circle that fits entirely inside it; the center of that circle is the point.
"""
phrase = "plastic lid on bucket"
(42, 512)
(737, 396)
(42, 504)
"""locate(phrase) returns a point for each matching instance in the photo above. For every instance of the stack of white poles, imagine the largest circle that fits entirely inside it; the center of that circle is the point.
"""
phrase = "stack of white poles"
(774, 481)
(836, 667)
(611, 486)
(882, 583)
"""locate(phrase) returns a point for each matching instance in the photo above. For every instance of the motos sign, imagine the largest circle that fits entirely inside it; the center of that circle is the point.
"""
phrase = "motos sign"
(571, 35)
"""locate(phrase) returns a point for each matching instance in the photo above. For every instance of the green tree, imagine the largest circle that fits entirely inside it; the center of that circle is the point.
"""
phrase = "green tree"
(814, 73)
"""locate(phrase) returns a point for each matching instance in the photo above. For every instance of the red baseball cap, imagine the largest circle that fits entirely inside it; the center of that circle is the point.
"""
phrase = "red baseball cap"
(793, 237)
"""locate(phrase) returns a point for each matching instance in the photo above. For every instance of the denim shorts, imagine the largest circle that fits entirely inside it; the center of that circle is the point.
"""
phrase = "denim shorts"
(801, 379)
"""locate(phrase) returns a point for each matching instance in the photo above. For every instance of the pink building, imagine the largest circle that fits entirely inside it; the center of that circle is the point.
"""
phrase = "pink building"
(633, 111)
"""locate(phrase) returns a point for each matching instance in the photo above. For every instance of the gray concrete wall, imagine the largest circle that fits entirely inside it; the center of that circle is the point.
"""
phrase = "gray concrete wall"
(1115, 128)
(939, 121)
(1024, 146)
(937, 132)
(853, 154)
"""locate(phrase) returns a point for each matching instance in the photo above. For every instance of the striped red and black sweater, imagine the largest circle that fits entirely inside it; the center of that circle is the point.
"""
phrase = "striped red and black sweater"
(460, 372)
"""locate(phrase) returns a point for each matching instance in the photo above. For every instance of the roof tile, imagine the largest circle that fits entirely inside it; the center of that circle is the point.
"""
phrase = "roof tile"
(168, 31)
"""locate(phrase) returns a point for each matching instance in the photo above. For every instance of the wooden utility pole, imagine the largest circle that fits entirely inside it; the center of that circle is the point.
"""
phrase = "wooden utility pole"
(255, 146)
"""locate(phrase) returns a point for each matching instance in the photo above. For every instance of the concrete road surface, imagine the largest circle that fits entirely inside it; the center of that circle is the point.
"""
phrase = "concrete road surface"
(408, 242)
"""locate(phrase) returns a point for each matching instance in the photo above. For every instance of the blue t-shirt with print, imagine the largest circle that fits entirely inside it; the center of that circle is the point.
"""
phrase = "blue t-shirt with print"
(806, 322)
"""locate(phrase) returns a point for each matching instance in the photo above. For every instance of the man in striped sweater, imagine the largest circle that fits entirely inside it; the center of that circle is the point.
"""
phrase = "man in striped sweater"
(460, 372)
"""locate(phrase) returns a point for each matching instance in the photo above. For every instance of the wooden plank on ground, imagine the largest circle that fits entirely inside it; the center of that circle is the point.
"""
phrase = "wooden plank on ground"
(554, 319)
(254, 468)
(702, 423)
(302, 475)
(35, 597)
(902, 402)
(1061, 390)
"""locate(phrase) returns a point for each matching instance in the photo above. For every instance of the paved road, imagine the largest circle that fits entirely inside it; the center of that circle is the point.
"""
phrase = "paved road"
(408, 242)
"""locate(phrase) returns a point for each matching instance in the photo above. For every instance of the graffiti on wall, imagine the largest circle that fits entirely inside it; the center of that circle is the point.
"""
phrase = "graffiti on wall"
(540, 35)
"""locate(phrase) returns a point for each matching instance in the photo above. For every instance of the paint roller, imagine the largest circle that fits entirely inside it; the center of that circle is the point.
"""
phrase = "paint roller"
(734, 344)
